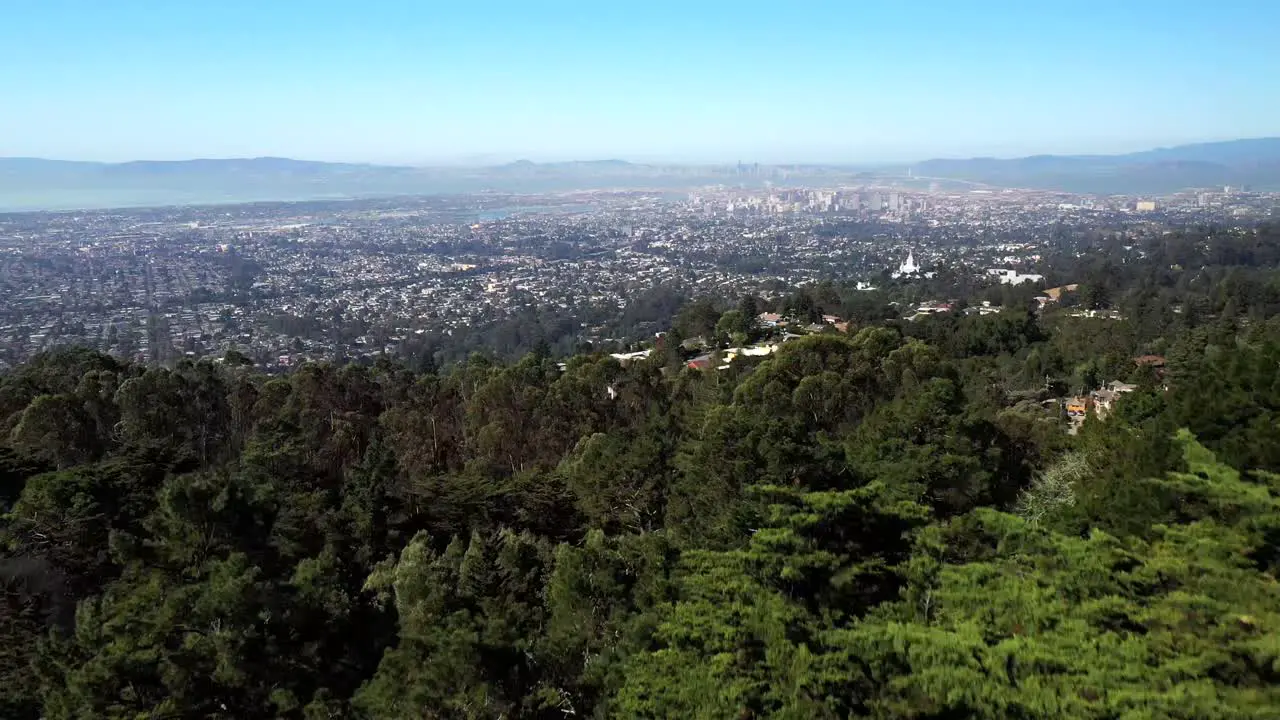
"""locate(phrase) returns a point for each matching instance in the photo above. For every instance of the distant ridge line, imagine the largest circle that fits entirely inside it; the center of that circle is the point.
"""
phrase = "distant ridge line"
(28, 184)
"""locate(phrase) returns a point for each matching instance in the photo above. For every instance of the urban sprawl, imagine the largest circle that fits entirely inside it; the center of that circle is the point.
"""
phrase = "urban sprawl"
(284, 283)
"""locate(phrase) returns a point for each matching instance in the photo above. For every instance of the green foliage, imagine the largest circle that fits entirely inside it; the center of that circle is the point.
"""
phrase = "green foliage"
(735, 326)
(55, 429)
(1006, 619)
(745, 632)
(620, 482)
(927, 446)
(697, 319)
(600, 599)
(890, 523)
(467, 620)
(1053, 490)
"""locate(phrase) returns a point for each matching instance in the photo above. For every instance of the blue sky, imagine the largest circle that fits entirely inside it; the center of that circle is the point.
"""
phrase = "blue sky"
(696, 80)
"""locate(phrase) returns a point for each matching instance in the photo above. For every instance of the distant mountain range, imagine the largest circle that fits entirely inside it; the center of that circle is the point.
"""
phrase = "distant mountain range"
(36, 184)
(1254, 162)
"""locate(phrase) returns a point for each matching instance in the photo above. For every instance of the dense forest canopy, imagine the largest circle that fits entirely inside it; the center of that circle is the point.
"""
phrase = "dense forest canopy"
(896, 521)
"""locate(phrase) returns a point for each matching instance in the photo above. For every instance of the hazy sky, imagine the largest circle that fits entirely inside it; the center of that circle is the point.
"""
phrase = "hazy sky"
(699, 80)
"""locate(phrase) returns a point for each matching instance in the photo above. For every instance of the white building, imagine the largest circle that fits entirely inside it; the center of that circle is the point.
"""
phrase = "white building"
(1013, 277)
(908, 268)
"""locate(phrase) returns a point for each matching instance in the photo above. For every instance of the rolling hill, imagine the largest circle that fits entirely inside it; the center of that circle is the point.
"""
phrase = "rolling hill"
(1253, 162)
(38, 184)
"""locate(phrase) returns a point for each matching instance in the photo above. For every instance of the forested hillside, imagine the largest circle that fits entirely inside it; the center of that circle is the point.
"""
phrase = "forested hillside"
(891, 522)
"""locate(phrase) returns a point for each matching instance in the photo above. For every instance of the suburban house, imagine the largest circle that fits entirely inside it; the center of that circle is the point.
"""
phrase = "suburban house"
(1013, 277)
(750, 351)
(769, 319)
(1152, 361)
(1055, 294)
(702, 362)
(625, 358)
(1105, 399)
(1078, 405)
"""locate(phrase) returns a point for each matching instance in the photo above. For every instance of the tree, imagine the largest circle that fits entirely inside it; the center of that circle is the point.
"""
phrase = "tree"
(1054, 489)
(467, 619)
(745, 636)
(600, 598)
(735, 326)
(697, 319)
(892, 522)
(619, 482)
(929, 447)
(1095, 296)
(56, 429)
(1003, 618)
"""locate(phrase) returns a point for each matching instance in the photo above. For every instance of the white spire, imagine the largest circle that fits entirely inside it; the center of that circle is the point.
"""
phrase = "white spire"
(908, 267)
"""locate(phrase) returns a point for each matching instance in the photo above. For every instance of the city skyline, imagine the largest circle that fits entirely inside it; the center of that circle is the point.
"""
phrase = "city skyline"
(288, 282)
(393, 83)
